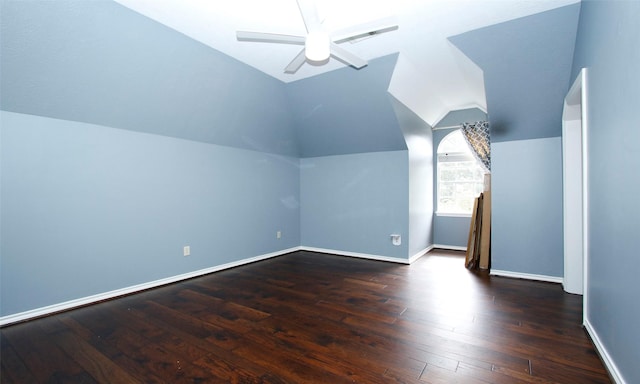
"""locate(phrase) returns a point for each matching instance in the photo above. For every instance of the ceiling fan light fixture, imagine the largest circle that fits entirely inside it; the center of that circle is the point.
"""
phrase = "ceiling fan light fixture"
(317, 46)
(319, 43)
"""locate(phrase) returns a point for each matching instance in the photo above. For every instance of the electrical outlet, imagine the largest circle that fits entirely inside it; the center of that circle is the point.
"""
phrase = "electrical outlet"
(278, 234)
(186, 250)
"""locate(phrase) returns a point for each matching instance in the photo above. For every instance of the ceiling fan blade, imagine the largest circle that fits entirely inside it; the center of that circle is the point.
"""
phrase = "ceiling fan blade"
(347, 57)
(369, 28)
(296, 63)
(309, 14)
(269, 37)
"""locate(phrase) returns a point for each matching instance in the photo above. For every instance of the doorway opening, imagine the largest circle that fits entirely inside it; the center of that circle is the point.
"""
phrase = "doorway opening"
(574, 163)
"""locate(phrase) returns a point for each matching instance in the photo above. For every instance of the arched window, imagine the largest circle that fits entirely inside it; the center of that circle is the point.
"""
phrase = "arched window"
(460, 176)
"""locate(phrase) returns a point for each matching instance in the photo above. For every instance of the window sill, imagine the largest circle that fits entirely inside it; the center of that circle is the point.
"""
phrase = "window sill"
(447, 214)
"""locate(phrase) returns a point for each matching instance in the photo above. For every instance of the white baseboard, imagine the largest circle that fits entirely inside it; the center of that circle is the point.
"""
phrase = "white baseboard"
(356, 254)
(450, 247)
(526, 276)
(38, 312)
(418, 255)
(614, 372)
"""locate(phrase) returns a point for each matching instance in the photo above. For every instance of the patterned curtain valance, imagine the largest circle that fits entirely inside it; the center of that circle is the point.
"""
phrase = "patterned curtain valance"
(479, 140)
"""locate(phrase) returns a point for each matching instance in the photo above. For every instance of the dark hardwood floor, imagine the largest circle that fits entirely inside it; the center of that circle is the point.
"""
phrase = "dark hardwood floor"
(313, 318)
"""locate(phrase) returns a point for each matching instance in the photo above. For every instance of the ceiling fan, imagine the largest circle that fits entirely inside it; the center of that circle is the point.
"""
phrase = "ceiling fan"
(320, 44)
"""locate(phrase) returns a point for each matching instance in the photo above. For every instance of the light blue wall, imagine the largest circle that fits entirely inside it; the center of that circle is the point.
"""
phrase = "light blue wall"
(419, 138)
(353, 203)
(527, 70)
(420, 203)
(526, 222)
(450, 231)
(608, 46)
(101, 63)
(88, 209)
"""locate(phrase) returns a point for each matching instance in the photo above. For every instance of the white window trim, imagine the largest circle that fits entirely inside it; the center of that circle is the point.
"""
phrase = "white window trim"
(452, 214)
(455, 156)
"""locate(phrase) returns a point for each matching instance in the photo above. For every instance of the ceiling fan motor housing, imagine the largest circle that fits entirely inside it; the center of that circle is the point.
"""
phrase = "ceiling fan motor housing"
(317, 46)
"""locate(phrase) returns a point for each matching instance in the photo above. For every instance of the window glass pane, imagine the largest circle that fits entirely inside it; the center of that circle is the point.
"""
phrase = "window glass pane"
(460, 177)
(454, 142)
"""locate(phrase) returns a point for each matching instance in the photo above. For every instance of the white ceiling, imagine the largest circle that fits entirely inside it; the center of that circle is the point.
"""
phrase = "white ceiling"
(432, 76)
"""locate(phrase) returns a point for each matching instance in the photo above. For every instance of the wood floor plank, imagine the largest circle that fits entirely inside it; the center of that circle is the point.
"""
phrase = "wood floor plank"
(100, 367)
(436, 375)
(286, 363)
(318, 318)
(13, 369)
(45, 361)
(224, 371)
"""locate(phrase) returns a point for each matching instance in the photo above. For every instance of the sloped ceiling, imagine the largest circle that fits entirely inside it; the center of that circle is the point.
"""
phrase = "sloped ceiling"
(344, 111)
(432, 78)
(459, 116)
(527, 68)
(102, 63)
(98, 62)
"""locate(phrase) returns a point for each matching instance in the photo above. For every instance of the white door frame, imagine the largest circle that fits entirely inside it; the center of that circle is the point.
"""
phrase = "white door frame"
(575, 191)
